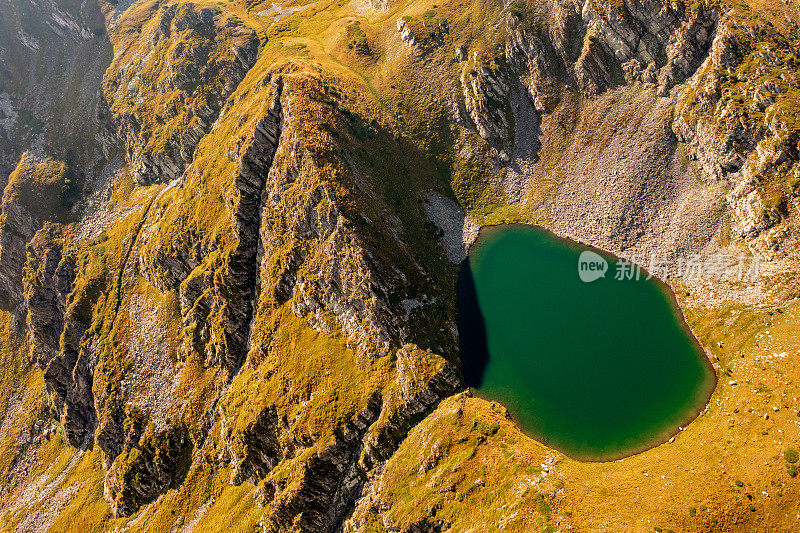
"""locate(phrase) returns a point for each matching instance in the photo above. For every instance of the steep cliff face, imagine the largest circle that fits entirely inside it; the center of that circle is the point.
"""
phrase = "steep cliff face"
(733, 101)
(49, 273)
(738, 115)
(232, 297)
(589, 47)
(173, 69)
(57, 320)
(52, 56)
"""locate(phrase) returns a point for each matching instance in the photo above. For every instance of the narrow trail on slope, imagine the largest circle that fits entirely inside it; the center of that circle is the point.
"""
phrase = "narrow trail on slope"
(126, 259)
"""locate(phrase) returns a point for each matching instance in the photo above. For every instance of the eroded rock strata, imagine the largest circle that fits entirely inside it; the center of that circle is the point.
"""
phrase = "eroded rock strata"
(228, 249)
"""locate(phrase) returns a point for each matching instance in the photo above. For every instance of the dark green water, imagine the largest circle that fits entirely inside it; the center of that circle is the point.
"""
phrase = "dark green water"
(597, 370)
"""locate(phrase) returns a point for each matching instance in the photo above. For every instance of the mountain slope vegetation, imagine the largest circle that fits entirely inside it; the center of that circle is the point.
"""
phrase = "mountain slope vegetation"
(229, 243)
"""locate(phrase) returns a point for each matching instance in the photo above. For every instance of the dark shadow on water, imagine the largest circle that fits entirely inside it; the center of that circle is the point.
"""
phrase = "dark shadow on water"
(472, 344)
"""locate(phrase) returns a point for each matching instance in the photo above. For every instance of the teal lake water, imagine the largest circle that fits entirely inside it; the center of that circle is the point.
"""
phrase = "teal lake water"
(598, 370)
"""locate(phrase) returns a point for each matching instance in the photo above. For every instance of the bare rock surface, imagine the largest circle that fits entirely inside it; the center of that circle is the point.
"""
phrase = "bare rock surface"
(459, 231)
(152, 382)
(628, 193)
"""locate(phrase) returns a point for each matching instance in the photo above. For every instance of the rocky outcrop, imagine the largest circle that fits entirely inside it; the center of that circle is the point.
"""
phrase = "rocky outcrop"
(256, 450)
(146, 469)
(746, 133)
(69, 375)
(57, 320)
(167, 86)
(410, 402)
(647, 42)
(486, 95)
(250, 183)
(49, 276)
(231, 298)
(337, 278)
(425, 34)
(17, 227)
(326, 490)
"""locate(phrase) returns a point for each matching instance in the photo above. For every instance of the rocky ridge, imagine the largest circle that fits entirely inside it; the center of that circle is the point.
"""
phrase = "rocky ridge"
(299, 334)
(193, 60)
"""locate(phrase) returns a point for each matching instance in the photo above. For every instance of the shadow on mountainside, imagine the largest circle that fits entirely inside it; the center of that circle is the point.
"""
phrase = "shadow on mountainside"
(472, 343)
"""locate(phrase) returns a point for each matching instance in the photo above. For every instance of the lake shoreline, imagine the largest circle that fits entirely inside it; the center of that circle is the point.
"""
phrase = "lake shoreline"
(666, 289)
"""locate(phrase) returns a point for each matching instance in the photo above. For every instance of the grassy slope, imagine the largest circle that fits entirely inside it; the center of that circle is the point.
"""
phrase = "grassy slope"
(701, 468)
(726, 471)
(46, 188)
(709, 472)
(295, 358)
